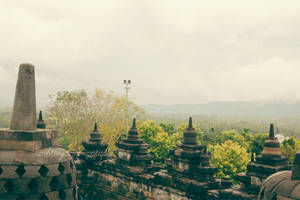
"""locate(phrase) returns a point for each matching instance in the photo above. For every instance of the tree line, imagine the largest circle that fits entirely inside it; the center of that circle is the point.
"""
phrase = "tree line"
(73, 113)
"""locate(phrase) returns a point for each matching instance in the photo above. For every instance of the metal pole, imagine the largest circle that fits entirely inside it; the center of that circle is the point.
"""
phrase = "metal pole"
(127, 83)
(126, 129)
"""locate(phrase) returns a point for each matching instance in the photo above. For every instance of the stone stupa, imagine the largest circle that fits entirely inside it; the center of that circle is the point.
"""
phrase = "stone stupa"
(189, 166)
(32, 165)
(132, 150)
(269, 162)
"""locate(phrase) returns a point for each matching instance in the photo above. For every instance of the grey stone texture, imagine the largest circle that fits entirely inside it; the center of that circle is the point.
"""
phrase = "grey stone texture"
(269, 162)
(282, 185)
(24, 110)
(32, 166)
(133, 175)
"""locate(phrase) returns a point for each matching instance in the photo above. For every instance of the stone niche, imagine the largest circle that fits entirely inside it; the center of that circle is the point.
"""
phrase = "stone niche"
(32, 165)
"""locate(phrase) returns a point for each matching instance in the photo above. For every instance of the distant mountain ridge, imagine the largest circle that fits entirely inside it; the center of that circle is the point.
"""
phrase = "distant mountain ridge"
(240, 109)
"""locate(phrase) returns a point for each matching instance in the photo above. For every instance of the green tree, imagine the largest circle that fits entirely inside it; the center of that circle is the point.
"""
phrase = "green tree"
(289, 149)
(169, 128)
(5, 114)
(229, 157)
(73, 113)
(160, 141)
(257, 143)
(232, 135)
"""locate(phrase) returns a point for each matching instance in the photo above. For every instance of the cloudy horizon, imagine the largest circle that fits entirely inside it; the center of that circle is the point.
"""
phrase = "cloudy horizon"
(175, 52)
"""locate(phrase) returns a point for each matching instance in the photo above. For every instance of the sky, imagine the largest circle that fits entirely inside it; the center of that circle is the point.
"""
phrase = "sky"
(175, 52)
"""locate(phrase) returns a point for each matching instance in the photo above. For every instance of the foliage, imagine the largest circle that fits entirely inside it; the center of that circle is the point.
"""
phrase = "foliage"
(72, 114)
(169, 128)
(257, 143)
(5, 114)
(229, 157)
(289, 147)
(162, 137)
(252, 142)
(161, 142)
(232, 135)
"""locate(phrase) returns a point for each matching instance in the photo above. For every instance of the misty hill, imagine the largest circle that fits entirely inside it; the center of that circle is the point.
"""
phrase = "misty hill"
(230, 109)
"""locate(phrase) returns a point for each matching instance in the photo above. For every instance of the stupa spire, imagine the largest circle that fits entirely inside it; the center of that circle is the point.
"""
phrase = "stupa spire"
(190, 122)
(24, 110)
(133, 123)
(190, 135)
(95, 127)
(271, 133)
(95, 135)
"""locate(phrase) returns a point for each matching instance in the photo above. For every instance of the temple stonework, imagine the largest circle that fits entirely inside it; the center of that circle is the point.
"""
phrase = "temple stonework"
(283, 185)
(269, 162)
(32, 165)
(133, 151)
(133, 175)
(189, 163)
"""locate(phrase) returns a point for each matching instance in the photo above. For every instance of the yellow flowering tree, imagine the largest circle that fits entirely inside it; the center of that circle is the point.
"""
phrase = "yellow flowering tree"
(161, 142)
(229, 157)
(73, 113)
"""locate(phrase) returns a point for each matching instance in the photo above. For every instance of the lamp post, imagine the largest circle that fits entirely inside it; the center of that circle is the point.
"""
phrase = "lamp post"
(127, 84)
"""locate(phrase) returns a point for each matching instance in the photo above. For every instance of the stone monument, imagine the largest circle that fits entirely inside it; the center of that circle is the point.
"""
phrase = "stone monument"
(190, 167)
(269, 162)
(32, 166)
(132, 151)
(94, 148)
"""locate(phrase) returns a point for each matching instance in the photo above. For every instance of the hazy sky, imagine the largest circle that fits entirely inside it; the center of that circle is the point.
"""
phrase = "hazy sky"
(173, 51)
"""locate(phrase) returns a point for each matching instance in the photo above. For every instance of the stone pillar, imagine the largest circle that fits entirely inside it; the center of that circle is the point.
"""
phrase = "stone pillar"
(24, 110)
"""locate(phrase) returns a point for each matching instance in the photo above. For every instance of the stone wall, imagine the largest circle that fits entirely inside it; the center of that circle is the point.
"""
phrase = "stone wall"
(108, 180)
(187, 175)
(135, 176)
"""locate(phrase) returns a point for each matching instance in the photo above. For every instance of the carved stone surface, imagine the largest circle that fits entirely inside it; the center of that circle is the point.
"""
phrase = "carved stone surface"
(32, 166)
(133, 175)
(24, 110)
(94, 148)
(282, 185)
(191, 159)
(132, 150)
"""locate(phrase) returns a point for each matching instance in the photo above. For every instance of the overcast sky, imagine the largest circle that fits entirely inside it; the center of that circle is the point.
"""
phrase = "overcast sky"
(175, 52)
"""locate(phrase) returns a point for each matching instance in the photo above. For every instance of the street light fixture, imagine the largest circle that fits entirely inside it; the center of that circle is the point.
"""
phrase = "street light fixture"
(127, 84)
